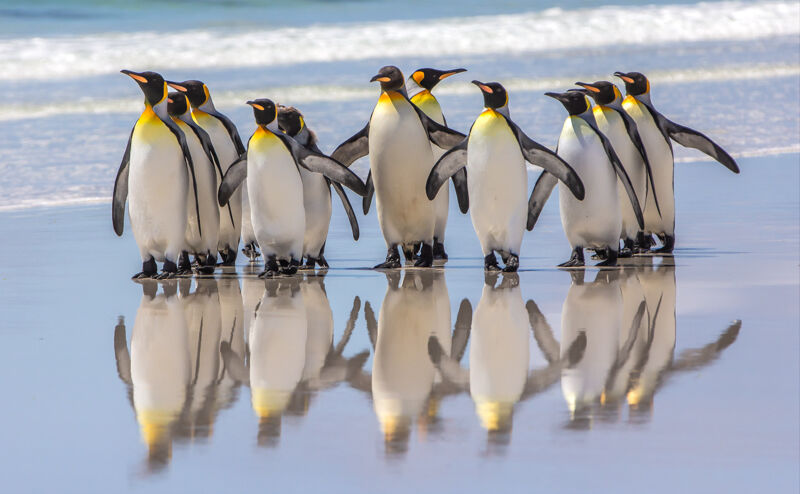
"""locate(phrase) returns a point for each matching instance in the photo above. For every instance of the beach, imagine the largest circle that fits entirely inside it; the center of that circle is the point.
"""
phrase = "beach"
(667, 374)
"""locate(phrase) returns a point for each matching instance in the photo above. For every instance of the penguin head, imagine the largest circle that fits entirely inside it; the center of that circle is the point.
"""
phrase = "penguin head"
(290, 120)
(428, 78)
(494, 94)
(264, 110)
(196, 91)
(603, 92)
(151, 84)
(390, 77)
(575, 102)
(635, 82)
(177, 104)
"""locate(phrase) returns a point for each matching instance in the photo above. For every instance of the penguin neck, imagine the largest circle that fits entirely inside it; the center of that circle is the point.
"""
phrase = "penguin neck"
(413, 88)
(304, 137)
(208, 106)
(503, 110)
(272, 127)
(159, 108)
(401, 90)
(644, 98)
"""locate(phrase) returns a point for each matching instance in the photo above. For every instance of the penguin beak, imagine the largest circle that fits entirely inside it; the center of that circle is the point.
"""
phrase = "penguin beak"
(169, 100)
(135, 76)
(379, 78)
(177, 86)
(624, 77)
(582, 91)
(483, 87)
(588, 86)
(445, 75)
(558, 96)
(255, 105)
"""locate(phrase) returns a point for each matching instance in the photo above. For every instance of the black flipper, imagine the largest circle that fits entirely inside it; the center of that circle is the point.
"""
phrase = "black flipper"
(237, 141)
(354, 148)
(539, 195)
(348, 208)
(208, 147)
(447, 166)
(442, 136)
(233, 178)
(187, 157)
(691, 138)
(121, 190)
(539, 155)
(462, 194)
(366, 201)
(633, 133)
(319, 163)
(621, 173)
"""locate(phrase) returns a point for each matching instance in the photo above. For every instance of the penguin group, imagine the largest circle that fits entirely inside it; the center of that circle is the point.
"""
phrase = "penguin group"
(195, 189)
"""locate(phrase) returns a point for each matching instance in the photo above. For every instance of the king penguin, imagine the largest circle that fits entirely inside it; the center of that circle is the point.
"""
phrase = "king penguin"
(419, 87)
(203, 247)
(276, 189)
(316, 192)
(153, 172)
(494, 155)
(595, 222)
(396, 139)
(229, 148)
(621, 130)
(656, 131)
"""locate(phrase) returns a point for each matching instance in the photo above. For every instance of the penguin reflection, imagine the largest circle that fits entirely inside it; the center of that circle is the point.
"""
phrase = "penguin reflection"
(498, 377)
(157, 370)
(285, 330)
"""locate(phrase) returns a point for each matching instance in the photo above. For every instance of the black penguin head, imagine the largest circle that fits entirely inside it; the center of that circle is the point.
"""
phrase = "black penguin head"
(390, 77)
(196, 91)
(177, 104)
(264, 110)
(151, 84)
(635, 82)
(494, 94)
(603, 92)
(290, 120)
(575, 102)
(429, 78)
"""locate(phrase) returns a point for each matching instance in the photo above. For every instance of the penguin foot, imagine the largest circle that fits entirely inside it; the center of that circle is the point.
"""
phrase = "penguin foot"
(271, 269)
(251, 251)
(228, 257)
(425, 257)
(208, 264)
(268, 273)
(625, 252)
(409, 254)
(438, 251)
(392, 259)
(490, 263)
(600, 254)
(168, 271)
(309, 264)
(290, 267)
(184, 266)
(576, 260)
(669, 244)
(611, 259)
(645, 240)
(322, 262)
(512, 264)
(149, 270)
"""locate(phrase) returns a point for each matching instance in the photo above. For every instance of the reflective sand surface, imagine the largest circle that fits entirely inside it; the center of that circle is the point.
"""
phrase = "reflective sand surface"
(669, 374)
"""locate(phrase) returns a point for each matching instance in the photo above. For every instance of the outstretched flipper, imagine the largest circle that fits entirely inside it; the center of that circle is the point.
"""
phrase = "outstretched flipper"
(354, 148)
(442, 136)
(633, 133)
(121, 354)
(691, 138)
(695, 358)
(237, 141)
(232, 179)
(319, 163)
(539, 195)
(539, 155)
(451, 162)
(449, 367)
(121, 190)
(348, 208)
(621, 173)
(234, 363)
(543, 333)
(372, 324)
(366, 201)
(187, 157)
(462, 329)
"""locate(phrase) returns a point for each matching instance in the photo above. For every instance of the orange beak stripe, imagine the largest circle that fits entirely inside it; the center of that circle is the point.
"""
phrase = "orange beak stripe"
(626, 79)
(486, 89)
(178, 87)
(256, 106)
(383, 79)
(138, 78)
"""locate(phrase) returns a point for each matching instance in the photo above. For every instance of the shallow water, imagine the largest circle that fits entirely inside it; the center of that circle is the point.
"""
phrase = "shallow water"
(672, 374)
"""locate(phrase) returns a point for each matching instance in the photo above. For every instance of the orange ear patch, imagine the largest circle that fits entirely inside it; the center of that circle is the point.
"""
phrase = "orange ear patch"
(256, 106)
(418, 76)
(486, 89)
(383, 79)
(626, 79)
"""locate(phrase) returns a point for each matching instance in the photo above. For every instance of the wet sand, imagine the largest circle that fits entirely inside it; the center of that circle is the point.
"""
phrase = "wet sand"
(670, 375)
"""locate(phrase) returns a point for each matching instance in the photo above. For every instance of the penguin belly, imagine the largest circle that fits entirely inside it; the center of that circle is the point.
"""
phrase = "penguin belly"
(276, 197)
(596, 221)
(662, 163)
(498, 355)
(595, 308)
(497, 184)
(248, 234)
(317, 205)
(610, 123)
(229, 230)
(426, 102)
(400, 161)
(206, 178)
(277, 351)
(158, 185)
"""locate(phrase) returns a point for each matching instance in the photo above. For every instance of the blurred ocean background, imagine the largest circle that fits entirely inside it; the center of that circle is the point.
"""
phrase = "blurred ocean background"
(729, 69)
